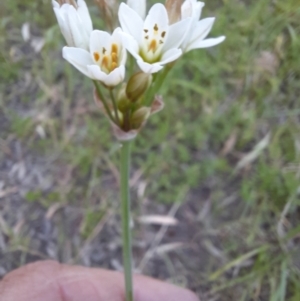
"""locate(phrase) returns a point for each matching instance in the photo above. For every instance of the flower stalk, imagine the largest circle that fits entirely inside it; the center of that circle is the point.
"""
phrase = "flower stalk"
(125, 213)
(155, 40)
(157, 83)
(100, 95)
(112, 96)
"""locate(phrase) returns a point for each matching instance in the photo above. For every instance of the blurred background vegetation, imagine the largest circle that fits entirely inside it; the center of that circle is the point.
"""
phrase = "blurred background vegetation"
(222, 159)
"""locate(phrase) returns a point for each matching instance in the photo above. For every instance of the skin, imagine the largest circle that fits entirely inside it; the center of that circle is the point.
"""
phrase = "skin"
(51, 281)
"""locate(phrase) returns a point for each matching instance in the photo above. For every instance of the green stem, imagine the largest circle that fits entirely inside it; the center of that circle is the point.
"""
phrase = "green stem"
(125, 207)
(113, 100)
(159, 79)
(131, 64)
(102, 98)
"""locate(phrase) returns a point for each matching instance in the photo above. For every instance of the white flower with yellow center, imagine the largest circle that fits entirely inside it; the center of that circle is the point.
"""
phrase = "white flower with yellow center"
(198, 29)
(74, 21)
(104, 61)
(152, 42)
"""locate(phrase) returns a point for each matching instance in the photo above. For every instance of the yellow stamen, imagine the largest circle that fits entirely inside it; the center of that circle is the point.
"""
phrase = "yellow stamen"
(152, 46)
(107, 59)
(163, 34)
(155, 27)
(114, 57)
(114, 48)
(105, 62)
(96, 56)
(114, 65)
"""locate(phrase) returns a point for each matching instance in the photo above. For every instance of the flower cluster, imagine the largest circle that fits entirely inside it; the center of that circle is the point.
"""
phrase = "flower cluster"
(154, 40)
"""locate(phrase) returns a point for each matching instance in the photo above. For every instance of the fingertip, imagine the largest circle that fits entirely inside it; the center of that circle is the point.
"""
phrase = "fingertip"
(29, 281)
(52, 281)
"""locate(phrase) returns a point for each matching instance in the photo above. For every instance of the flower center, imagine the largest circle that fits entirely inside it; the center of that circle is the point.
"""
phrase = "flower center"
(152, 44)
(108, 61)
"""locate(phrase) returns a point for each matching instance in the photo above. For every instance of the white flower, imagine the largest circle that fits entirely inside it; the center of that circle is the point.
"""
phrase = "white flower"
(139, 6)
(198, 29)
(75, 22)
(104, 62)
(152, 42)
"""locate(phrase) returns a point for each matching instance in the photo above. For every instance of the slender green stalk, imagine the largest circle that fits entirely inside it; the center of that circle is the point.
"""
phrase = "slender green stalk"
(113, 100)
(131, 64)
(102, 98)
(125, 207)
(157, 83)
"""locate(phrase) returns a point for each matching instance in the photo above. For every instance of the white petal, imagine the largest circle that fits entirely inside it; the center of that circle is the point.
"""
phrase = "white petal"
(64, 8)
(79, 58)
(131, 45)
(206, 43)
(117, 35)
(98, 40)
(197, 10)
(201, 30)
(157, 15)
(55, 4)
(189, 34)
(176, 33)
(123, 56)
(170, 56)
(61, 13)
(149, 68)
(112, 79)
(79, 36)
(96, 73)
(186, 9)
(115, 77)
(84, 14)
(191, 8)
(139, 6)
(118, 39)
(130, 21)
(63, 26)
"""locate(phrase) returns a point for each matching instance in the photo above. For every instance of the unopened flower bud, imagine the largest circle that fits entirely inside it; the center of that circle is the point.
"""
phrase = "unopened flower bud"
(137, 85)
(123, 102)
(174, 10)
(139, 117)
